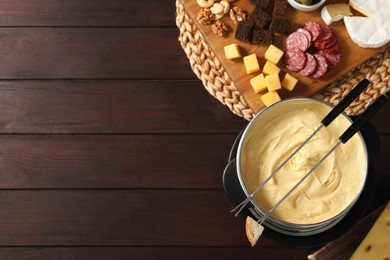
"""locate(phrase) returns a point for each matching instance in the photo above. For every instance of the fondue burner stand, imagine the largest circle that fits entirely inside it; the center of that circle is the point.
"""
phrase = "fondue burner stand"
(235, 193)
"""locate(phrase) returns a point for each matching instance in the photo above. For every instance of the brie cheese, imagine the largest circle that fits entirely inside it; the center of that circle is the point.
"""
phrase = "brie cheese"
(372, 31)
(335, 12)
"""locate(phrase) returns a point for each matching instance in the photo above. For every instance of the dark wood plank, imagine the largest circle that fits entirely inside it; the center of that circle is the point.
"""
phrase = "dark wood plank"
(189, 253)
(113, 107)
(87, 13)
(123, 218)
(381, 119)
(97, 53)
(166, 161)
(120, 218)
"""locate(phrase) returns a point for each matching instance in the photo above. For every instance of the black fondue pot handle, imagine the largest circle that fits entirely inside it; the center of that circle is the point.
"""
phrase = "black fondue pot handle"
(344, 103)
(363, 119)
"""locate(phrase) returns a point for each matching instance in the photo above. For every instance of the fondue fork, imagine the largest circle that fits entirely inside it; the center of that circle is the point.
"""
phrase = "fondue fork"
(351, 131)
(339, 108)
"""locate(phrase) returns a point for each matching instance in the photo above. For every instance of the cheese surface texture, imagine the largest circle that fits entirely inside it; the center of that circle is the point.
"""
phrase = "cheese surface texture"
(251, 63)
(372, 31)
(329, 189)
(232, 51)
(335, 12)
(376, 244)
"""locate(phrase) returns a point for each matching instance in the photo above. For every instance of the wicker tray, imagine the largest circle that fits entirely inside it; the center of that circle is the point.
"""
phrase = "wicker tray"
(217, 82)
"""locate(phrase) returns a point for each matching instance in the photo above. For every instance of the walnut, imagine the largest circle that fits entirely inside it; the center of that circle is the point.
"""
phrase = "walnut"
(205, 16)
(237, 15)
(220, 28)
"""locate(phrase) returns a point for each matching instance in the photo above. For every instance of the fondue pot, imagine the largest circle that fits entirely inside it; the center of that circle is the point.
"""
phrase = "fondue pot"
(237, 182)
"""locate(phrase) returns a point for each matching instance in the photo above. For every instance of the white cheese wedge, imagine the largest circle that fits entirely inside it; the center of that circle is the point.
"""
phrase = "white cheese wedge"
(376, 244)
(335, 12)
(372, 31)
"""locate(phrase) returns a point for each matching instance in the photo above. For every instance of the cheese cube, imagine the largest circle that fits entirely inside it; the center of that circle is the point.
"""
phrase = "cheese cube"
(270, 68)
(273, 82)
(376, 244)
(232, 51)
(273, 54)
(270, 98)
(258, 83)
(289, 82)
(251, 63)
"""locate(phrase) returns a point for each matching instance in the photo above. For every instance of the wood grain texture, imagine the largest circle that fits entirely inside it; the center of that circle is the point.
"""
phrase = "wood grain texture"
(146, 161)
(92, 53)
(87, 13)
(307, 86)
(190, 253)
(98, 107)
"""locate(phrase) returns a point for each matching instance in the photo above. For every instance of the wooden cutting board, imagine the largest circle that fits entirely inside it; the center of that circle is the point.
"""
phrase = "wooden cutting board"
(353, 55)
(345, 246)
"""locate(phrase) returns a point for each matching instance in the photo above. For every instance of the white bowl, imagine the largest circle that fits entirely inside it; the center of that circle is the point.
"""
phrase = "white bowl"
(305, 8)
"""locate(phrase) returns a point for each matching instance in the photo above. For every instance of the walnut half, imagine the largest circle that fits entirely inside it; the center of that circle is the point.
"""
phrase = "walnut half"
(220, 28)
(205, 16)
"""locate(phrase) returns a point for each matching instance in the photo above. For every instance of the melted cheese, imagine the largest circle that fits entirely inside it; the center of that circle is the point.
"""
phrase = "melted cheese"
(372, 31)
(329, 189)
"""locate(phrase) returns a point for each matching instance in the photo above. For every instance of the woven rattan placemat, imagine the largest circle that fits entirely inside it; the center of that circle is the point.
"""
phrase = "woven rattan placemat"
(217, 82)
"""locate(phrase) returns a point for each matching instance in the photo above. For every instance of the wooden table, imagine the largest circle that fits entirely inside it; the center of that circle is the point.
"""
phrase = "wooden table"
(110, 147)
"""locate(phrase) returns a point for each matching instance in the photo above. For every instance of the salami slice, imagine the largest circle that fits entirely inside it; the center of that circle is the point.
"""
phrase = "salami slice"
(334, 48)
(331, 58)
(297, 40)
(307, 33)
(310, 67)
(295, 59)
(314, 28)
(325, 30)
(322, 66)
(325, 42)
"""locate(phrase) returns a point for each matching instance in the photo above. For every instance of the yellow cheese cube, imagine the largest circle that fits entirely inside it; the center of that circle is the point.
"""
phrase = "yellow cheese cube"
(270, 98)
(232, 51)
(376, 244)
(289, 82)
(273, 82)
(258, 83)
(273, 54)
(251, 63)
(270, 68)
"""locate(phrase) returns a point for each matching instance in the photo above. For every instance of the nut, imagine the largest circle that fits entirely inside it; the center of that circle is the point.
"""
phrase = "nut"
(226, 6)
(205, 16)
(237, 15)
(205, 3)
(219, 16)
(217, 8)
(220, 28)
